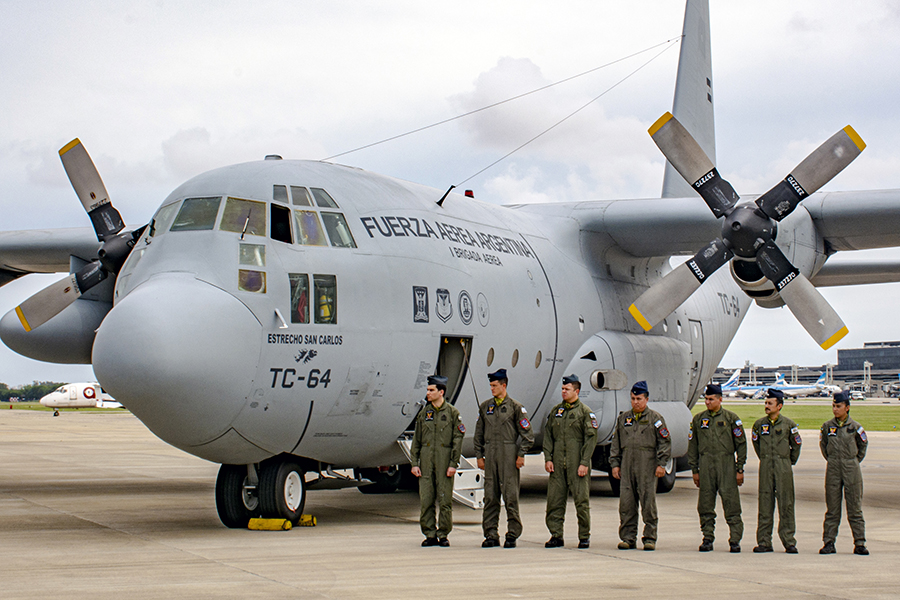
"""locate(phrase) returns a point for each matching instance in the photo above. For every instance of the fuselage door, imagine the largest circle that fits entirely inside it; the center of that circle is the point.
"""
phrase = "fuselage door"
(453, 363)
(696, 333)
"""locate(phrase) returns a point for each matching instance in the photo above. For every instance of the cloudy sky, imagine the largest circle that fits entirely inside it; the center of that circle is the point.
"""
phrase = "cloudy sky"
(161, 91)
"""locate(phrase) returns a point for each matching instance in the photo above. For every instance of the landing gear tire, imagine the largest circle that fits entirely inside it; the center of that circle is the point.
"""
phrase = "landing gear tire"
(665, 483)
(383, 482)
(235, 502)
(55, 413)
(282, 491)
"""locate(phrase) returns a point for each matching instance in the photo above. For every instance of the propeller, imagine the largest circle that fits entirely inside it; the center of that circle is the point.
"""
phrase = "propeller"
(108, 225)
(749, 229)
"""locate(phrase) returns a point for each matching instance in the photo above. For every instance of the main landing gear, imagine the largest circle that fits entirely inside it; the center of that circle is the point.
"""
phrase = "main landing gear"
(273, 489)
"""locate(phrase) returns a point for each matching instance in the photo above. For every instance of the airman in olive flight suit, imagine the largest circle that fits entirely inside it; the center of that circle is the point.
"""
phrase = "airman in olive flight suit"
(776, 441)
(716, 438)
(638, 455)
(570, 436)
(435, 452)
(502, 437)
(843, 442)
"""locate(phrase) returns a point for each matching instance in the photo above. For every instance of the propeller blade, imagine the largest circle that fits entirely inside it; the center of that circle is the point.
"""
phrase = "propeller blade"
(672, 290)
(816, 170)
(689, 159)
(53, 299)
(802, 298)
(90, 190)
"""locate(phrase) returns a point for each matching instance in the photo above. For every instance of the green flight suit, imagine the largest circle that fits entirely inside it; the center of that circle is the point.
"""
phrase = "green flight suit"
(570, 436)
(502, 434)
(641, 443)
(436, 446)
(714, 441)
(778, 447)
(844, 447)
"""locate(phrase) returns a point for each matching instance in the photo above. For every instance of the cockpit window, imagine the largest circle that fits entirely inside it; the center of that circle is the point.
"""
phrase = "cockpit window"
(279, 193)
(323, 199)
(281, 224)
(337, 229)
(244, 216)
(309, 230)
(162, 220)
(253, 255)
(252, 281)
(300, 196)
(197, 214)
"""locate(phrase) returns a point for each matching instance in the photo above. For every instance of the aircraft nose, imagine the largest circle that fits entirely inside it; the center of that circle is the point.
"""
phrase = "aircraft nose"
(181, 355)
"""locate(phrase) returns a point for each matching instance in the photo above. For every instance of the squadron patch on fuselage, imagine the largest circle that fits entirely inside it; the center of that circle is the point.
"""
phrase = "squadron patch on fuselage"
(420, 304)
(466, 308)
(443, 307)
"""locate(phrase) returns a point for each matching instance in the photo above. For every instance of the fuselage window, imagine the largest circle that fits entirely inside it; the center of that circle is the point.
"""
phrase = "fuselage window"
(244, 216)
(252, 281)
(337, 229)
(323, 200)
(326, 298)
(197, 214)
(253, 255)
(163, 219)
(309, 230)
(279, 193)
(281, 224)
(299, 297)
(300, 196)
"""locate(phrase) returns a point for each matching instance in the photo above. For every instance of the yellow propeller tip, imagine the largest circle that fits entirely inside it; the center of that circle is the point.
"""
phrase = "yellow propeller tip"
(69, 146)
(659, 123)
(22, 318)
(851, 133)
(835, 338)
(642, 321)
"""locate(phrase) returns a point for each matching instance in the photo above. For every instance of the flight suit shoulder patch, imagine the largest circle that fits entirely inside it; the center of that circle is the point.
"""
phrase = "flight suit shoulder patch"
(753, 435)
(663, 432)
(525, 423)
(862, 434)
(596, 425)
(737, 431)
(461, 427)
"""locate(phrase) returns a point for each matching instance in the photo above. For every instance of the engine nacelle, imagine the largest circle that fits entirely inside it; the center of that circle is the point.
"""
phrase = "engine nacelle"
(67, 338)
(801, 243)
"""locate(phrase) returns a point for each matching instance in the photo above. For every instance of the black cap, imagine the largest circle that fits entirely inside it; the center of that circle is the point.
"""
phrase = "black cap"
(573, 378)
(497, 375)
(774, 393)
(842, 397)
(714, 389)
(640, 388)
(437, 380)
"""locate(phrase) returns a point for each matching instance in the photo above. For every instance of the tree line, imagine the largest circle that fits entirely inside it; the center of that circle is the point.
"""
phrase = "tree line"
(30, 392)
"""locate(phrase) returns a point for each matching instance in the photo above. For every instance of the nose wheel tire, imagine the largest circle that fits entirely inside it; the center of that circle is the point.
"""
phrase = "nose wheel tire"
(236, 502)
(282, 490)
(665, 483)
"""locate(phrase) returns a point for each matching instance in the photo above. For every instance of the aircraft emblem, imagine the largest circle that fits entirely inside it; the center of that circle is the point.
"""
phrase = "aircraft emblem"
(420, 304)
(442, 305)
(306, 355)
(484, 311)
(466, 310)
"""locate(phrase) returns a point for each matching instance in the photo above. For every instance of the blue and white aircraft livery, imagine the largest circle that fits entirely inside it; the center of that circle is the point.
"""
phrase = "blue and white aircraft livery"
(280, 317)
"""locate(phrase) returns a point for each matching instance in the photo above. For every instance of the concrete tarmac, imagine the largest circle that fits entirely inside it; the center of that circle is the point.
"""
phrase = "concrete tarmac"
(94, 506)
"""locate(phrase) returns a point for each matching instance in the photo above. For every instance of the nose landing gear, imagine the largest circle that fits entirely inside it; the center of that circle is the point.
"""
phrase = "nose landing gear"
(274, 489)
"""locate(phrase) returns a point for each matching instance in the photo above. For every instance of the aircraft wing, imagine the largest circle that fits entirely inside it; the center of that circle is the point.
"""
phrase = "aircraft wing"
(667, 226)
(44, 250)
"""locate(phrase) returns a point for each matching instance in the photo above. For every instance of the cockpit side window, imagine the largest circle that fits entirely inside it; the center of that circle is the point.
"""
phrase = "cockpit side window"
(323, 200)
(244, 216)
(299, 297)
(281, 224)
(326, 298)
(337, 229)
(309, 230)
(163, 219)
(279, 193)
(197, 214)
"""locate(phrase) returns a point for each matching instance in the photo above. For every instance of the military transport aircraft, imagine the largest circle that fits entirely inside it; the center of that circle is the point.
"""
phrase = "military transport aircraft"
(280, 317)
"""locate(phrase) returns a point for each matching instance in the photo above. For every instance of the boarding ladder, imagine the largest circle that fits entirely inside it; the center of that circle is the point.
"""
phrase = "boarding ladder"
(468, 488)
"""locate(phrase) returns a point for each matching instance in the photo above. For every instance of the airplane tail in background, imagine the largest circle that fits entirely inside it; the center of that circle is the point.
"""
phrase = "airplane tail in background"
(821, 379)
(779, 380)
(733, 380)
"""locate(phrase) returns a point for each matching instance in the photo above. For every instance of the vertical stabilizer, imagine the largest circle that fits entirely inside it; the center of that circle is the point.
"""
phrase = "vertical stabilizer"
(693, 104)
